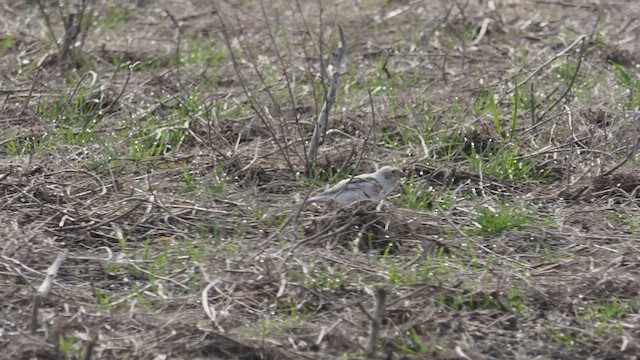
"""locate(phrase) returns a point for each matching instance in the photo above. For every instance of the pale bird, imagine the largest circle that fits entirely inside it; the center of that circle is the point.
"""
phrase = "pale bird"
(374, 186)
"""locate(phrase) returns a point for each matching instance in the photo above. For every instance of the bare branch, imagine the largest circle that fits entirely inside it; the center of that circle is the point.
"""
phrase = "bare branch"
(321, 125)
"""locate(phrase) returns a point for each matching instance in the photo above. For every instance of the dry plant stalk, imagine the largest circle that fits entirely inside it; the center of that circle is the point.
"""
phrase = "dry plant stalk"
(91, 344)
(376, 319)
(45, 288)
(321, 125)
(76, 24)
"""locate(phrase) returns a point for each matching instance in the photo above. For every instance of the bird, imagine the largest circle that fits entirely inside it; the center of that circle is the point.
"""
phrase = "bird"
(370, 186)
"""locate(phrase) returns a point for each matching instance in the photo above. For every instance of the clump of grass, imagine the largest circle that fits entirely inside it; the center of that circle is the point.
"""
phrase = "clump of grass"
(504, 160)
(504, 163)
(630, 83)
(416, 197)
(65, 344)
(605, 315)
(324, 277)
(7, 42)
(102, 299)
(506, 218)
(424, 197)
(417, 345)
(218, 187)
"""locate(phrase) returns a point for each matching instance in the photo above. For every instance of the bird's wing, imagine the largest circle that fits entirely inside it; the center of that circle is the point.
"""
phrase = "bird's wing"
(329, 193)
(371, 187)
(360, 187)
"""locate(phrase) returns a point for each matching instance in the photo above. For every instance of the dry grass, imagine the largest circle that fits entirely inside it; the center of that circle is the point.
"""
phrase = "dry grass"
(163, 145)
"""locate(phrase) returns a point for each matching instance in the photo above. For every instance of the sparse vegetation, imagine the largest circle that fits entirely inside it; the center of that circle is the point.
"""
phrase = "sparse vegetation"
(167, 149)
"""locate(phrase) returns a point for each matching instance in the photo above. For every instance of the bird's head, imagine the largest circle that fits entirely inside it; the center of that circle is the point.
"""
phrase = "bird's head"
(390, 173)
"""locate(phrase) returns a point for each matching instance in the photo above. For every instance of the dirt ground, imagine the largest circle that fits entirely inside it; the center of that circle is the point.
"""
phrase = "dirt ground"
(160, 151)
